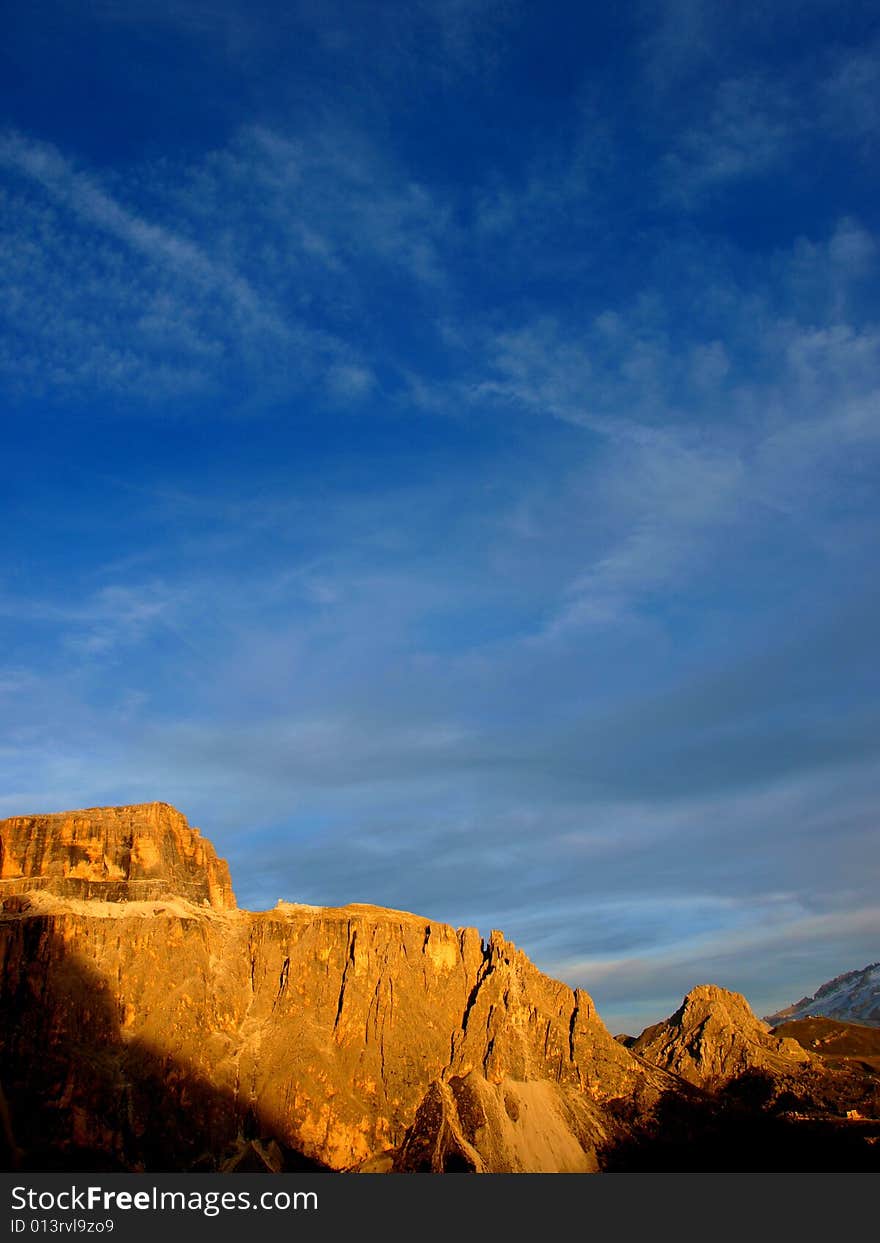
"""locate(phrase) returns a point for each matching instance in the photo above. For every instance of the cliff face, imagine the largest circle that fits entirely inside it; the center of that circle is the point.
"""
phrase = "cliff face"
(164, 1027)
(112, 853)
(147, 1023)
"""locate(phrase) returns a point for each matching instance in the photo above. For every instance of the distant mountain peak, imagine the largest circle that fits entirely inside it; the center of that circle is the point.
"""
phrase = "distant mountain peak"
(853, 997)
(713, 1037)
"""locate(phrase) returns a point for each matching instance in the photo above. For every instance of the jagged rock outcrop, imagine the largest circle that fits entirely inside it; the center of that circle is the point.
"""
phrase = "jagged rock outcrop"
(168, 1031)
(714, 1038)
(115, 854)
(853, 997)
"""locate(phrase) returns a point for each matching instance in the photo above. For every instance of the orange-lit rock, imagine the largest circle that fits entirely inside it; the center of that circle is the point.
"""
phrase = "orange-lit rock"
(147, 1023)
(147, 1019)
(112, 853)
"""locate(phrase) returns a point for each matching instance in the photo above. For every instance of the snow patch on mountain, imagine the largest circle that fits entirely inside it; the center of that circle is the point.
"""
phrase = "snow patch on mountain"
(853, 997)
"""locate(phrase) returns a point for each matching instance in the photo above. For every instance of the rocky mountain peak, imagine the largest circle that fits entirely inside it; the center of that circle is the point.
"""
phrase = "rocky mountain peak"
(718, 1004)
(852, 997)
(714, 1037)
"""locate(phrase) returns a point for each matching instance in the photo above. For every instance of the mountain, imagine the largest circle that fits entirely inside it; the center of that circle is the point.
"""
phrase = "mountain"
(148, 1023)
(714, 1038)
(852, 997)
(146, 1018)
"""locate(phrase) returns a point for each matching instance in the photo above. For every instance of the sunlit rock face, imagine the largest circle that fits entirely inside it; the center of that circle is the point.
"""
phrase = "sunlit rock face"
(114, 854)
(145, 1018)
(148, 1023)
(714, 1038)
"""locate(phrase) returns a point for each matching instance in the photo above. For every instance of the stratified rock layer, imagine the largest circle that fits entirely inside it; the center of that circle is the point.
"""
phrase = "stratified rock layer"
(714, 1038)
(112, 853)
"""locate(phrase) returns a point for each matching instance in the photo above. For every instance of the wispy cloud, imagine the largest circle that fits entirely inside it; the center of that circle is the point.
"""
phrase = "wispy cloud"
(158, 245)
(115, 616)
(255, 287)
(332, 197)
(535, 592)
(447, 38)
(848, 95)
(753, 128)
(691, 436)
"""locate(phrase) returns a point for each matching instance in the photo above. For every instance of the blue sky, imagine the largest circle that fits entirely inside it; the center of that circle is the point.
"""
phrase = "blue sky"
(440, 455)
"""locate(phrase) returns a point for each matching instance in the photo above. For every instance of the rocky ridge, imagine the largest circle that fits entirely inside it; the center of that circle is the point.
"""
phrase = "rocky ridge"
(133, 993)
(148, 1023)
